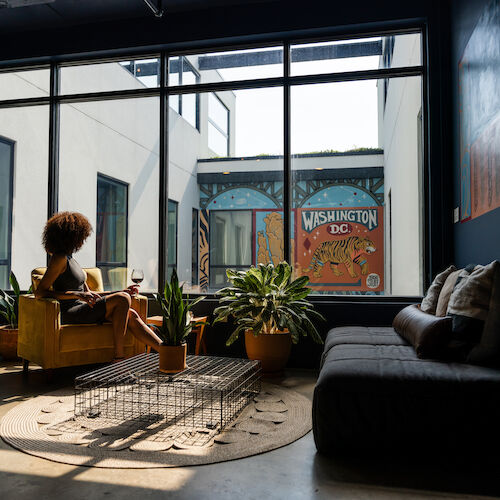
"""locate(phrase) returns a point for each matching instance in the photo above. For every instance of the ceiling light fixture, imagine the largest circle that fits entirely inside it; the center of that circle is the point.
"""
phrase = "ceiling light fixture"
(157, 10)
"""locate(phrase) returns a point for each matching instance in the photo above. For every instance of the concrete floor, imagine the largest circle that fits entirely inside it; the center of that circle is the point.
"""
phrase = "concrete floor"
(293, 472)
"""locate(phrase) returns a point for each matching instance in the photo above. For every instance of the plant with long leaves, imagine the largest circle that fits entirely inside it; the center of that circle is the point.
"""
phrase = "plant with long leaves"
(265, 299)
(9, 306)
(176, 311)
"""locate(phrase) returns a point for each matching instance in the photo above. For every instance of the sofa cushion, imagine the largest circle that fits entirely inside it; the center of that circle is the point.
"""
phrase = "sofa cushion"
(429, 302)
(445, 293)
(427, 333)
(381, 396)
(487, 351)
(468, 306)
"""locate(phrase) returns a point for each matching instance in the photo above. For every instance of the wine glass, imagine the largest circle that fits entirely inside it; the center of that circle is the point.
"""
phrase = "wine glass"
(137, 276)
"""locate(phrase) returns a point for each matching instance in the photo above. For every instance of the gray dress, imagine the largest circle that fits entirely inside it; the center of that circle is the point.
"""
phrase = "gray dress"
(74, 311)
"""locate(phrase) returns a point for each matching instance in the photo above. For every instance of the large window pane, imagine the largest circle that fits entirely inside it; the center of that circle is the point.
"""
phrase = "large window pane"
(23, 190)
(230, 66)
(238, 189)
(111, 232)
(6, 180)
(109, 76)
(358, 54)
(24, 84)
(118, 139)
(350, 150)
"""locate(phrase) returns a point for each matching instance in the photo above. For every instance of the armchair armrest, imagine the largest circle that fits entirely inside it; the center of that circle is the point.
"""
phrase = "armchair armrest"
(140, 304)
(39, 321)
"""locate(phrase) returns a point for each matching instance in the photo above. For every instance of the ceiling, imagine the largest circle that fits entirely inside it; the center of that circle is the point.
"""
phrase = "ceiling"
(66, 13)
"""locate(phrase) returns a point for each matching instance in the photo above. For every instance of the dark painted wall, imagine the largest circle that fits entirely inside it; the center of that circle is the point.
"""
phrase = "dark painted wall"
(476, 240)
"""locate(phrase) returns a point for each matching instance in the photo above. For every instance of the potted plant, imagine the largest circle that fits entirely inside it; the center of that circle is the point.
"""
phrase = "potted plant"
(9, 307)
(270, 307)
(176, 325)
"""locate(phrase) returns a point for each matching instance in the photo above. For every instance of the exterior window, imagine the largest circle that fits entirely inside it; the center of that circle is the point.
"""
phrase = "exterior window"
(230, 243)
(218, 126)
(172, 237)
(111, 232)
(6, 179)
(195, 247)
(188, 105)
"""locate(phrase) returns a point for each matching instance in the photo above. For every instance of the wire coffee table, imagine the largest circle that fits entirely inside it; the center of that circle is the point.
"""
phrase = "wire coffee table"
(209, 394)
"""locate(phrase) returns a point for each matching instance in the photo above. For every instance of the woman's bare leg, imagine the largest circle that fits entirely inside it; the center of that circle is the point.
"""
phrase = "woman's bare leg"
(142, 331)
(117, 307)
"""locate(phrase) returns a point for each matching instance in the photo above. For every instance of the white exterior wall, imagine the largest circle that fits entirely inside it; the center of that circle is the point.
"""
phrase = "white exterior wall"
(118, 138)
(402, 176)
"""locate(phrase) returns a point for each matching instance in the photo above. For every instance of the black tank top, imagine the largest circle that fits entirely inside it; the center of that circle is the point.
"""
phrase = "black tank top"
(73, 277)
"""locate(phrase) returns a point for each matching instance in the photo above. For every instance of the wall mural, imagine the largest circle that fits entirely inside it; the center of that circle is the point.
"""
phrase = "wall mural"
(479, 84)
(337, 234)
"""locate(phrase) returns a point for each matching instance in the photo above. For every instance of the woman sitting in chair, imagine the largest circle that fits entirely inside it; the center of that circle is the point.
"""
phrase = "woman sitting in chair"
(63, 235)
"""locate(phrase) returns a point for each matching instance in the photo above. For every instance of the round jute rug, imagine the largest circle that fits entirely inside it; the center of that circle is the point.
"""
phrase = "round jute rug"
(46, 427)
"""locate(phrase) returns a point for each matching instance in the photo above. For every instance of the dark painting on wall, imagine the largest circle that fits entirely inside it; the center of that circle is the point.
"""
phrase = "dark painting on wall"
(479, 91)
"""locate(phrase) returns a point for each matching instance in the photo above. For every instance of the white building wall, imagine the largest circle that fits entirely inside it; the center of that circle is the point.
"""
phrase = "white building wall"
(402, 175)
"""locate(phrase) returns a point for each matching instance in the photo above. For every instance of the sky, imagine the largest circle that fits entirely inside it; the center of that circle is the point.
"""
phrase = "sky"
(338, 116)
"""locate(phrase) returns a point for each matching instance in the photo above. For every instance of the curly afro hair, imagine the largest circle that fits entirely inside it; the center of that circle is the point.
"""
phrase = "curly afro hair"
(65, 233)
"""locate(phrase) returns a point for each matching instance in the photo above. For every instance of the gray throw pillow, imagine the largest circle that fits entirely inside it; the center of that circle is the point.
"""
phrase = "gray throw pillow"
(446, 291)
(429, 302)
(468, 306)
(487, 352)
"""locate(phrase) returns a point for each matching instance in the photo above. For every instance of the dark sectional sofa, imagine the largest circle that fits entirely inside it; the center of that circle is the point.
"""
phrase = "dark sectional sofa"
(374, 393)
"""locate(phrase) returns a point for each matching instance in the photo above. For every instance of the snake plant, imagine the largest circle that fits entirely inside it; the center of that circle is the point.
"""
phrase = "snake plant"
(265, 299)
(9, 306)
(176, 312)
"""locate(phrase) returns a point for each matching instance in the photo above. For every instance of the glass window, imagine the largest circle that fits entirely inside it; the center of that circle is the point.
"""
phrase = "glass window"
(172, 237)
(111, 232)
(109, 76)
(24, 140)
(232, 65)
(218, 126)
(230, 243)
(195, 248)
(239, 191)
(358, 54)
(24, 84)
(118, 139)
(6, 179)
(187, 105)
(347, 154)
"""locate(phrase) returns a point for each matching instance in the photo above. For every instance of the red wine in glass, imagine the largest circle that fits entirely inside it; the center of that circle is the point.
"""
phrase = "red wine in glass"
(137, 276)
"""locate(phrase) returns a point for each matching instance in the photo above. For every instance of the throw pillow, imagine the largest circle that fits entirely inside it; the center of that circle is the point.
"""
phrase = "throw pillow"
(468, 306)
(449, 285)
(427, 333)
(430, 300)
(487, 352)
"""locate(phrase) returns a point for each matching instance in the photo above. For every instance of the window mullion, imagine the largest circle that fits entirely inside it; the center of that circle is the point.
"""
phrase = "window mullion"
(287, 206)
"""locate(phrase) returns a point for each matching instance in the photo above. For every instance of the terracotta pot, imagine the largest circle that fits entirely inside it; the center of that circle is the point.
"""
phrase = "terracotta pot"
(272, 349)
(8, 342)
(172, 358)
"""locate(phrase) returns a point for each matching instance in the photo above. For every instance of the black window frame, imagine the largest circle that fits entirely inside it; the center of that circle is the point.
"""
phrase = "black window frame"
(120, 183)
(437, 249)
(8, 261)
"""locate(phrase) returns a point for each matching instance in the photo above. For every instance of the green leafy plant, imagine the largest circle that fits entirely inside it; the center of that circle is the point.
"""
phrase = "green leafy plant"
(9, 306)
(176, 312)
(266, 299)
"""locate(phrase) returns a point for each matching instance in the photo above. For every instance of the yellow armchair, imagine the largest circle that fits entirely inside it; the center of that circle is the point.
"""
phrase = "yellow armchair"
(44, 341)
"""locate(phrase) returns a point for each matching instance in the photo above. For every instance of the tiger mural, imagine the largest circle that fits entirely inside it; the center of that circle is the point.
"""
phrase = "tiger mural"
(347, 251)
